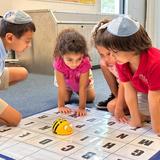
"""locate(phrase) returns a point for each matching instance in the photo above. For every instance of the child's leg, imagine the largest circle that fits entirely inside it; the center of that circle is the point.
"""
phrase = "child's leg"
(112, 83)
(68, 96)
(8, 115)
(90, 93)
(143, 107)
(4, 79)
(67, 92)
(112, 105)
(17, 74)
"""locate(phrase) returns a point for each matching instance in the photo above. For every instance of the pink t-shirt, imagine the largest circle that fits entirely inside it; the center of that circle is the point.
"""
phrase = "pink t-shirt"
(147, 76)
(72, 76)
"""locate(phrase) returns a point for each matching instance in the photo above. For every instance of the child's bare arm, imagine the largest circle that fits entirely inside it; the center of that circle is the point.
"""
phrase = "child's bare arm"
(61, 93)
(84, 80)
(120, 104)
(132, 103)
(154, 107)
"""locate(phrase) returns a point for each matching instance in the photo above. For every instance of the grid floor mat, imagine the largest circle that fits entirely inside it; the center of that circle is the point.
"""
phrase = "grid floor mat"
(96, 136)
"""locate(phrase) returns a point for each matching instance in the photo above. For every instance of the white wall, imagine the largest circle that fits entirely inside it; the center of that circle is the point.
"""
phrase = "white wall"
(136, 8)
(157, 24)
(52, 4)
(137, 11)
(5, 5)
(153, 21)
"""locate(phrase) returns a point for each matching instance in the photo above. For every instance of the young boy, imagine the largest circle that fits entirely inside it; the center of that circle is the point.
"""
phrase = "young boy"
(16, 31)
(138, 66)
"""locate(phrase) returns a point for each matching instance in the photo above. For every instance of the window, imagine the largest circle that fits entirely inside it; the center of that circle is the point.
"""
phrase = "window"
(112, 6)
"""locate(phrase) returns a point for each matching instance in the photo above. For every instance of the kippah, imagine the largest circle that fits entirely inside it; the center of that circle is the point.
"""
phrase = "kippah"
(17, 17)
(123, 26)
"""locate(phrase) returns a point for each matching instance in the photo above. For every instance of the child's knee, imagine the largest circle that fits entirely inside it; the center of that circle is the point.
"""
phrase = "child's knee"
(156, 129)
(68, 95)
(13, 121)
(9, 115)
(91, 96)
(24, 73)
(17, 74)
(91, 99)
(111, 107)
(16, 119)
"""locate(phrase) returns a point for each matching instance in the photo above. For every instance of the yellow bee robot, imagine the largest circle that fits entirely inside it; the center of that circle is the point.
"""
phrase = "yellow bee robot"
(62, 127)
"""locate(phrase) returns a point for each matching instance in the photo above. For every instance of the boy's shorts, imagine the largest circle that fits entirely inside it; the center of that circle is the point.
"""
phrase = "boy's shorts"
(143, 103)
(4, 83)
(4, 79)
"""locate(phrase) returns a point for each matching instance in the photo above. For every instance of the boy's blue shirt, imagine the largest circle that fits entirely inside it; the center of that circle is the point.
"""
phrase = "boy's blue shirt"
(3, 55)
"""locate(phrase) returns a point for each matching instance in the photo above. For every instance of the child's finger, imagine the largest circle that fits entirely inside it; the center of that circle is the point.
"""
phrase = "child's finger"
(122, 119)
(84, 114)
(79, 114)
(65, 110)
(68, 111)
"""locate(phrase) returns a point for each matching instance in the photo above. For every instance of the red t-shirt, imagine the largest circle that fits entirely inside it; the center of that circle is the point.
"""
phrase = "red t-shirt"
(147, 76)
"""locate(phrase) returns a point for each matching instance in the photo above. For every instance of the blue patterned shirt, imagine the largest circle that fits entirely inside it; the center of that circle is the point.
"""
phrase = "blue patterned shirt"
(3, 55)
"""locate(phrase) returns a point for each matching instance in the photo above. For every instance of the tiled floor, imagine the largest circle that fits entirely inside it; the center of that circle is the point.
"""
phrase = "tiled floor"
(97, 136)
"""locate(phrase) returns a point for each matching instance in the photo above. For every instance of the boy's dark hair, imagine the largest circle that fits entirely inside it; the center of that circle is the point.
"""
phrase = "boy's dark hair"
(69, 40)
(138, 42)
(16, 29)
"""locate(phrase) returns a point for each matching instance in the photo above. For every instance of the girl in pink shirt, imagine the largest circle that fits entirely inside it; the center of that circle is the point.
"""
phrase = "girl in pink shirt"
(138, 65)
(73, 71)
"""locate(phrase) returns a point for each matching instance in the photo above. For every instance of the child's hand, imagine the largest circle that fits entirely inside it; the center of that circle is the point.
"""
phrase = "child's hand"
(135, 122)
(120, 116)
(64, 110)
(81, 112)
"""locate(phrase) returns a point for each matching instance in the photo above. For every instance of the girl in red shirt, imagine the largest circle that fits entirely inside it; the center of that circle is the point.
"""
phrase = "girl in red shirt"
(138, 65)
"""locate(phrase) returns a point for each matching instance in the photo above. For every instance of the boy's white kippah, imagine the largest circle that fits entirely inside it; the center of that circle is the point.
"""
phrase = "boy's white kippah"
(17, 17)
(123, 26)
